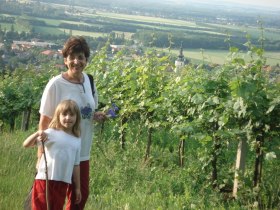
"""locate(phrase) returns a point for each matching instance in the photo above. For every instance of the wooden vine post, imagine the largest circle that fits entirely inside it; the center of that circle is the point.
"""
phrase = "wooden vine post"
(149, 140)
(123, 132)
(149, 143)
(182, 152)
(240, 164)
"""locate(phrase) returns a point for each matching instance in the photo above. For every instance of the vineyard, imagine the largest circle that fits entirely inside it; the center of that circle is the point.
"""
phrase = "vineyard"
(216, 130)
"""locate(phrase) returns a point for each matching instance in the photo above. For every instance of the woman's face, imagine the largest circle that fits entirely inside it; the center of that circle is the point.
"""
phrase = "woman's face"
(76, 62)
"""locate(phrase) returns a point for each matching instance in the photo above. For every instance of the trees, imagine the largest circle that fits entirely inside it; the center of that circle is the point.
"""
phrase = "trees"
(20, 93)
(10, 107)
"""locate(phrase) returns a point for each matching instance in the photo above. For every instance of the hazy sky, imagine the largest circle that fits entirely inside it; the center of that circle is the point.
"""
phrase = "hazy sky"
(271, 3)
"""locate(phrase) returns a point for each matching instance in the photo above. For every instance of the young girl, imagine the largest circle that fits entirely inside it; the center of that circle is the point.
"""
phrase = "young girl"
(62, 150)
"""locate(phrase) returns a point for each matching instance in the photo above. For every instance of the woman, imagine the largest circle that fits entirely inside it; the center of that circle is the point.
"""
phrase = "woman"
(74, 84)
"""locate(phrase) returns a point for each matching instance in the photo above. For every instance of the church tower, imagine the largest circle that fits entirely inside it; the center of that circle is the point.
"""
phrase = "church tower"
(71, 6)
(180, 61)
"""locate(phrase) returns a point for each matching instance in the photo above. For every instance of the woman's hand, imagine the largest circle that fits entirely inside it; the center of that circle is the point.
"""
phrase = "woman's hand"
(100, 116)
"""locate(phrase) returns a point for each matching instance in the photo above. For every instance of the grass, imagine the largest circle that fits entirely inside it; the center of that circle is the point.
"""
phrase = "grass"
(7, 26)
(52, 22)
(121, 179)
(57, 31)
(48, 30)
(16, 171)
(86, 33)
(221, 56)
(147, 19)
(237, 30)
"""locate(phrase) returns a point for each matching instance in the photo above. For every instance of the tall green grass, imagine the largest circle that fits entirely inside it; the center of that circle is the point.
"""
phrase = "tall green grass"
(16, 171)
(121, 179)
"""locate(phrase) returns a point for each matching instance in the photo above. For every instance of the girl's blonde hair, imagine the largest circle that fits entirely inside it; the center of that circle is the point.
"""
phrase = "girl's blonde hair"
(64, 107)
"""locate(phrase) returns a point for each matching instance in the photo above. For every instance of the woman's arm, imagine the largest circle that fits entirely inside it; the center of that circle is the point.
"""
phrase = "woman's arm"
(44, 122)
(76, 180)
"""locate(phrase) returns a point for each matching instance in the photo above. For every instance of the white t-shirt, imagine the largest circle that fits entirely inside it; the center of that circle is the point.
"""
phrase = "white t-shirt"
(62, 153)
(59, 89)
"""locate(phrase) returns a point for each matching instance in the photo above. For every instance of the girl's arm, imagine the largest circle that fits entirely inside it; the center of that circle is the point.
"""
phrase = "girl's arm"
(43, 125)
(76, 180)
(32, 139)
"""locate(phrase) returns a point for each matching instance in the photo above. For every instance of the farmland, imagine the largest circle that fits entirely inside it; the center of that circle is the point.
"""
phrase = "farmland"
(196, 36)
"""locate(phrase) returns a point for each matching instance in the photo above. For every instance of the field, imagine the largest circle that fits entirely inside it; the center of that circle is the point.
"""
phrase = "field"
(189, 28)
(121, 179)
(220, 56)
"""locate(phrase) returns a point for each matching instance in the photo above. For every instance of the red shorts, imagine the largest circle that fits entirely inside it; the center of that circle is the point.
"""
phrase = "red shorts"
(56, 194)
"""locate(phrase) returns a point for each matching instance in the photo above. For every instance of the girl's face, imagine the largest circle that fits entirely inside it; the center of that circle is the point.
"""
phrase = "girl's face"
(67, 120)
(76, 62)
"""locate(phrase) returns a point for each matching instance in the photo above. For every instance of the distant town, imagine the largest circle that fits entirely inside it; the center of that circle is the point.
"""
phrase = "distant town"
(37, 36)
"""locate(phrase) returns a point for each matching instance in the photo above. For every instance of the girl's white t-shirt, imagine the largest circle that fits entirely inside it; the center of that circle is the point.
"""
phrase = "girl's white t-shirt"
(59, 89)
(62, 153)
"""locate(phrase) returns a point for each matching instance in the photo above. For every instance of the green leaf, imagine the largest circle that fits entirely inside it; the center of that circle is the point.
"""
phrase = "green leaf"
(233, 49)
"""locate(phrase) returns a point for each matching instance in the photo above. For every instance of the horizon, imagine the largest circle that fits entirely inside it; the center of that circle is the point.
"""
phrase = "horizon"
(257, 3)
(271, 3)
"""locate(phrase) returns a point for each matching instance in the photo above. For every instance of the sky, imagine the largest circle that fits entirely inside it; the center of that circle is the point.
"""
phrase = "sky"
(257, 2)
(266, 3)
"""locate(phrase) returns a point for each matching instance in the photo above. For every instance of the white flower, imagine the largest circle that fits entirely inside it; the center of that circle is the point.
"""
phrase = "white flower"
(193, 206)
(270, 156)
(177, 79)
(256, 204)
(126, 207)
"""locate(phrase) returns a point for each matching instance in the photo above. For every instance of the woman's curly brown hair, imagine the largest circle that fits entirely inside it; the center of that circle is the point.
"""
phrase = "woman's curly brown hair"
(76, 44)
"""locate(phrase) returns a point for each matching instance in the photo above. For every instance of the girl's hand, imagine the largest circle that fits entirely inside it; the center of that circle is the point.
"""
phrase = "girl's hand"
(41, 136)
(36, 139)
(78, 196)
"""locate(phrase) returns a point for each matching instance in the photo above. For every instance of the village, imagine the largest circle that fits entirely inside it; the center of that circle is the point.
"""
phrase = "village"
(36, 52)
